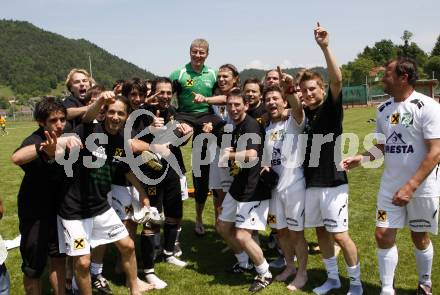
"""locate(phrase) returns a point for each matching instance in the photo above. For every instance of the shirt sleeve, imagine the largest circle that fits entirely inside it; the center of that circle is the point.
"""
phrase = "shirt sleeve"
(431, 121)
(69, 103)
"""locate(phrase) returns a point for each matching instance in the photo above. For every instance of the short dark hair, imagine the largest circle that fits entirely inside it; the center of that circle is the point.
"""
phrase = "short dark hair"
(46, 106)
(237, 93)
(254, 81)
(273, 88)
(93, 91)
(158, 80)
(405, 65)
(124, 100)
(118, 82)
(134, 84)
(234, 71)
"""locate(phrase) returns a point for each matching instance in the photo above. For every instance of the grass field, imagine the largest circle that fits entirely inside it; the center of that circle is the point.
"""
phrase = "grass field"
(206, 271)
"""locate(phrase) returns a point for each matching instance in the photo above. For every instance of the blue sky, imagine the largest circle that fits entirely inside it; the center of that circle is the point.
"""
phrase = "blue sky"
(155, 35)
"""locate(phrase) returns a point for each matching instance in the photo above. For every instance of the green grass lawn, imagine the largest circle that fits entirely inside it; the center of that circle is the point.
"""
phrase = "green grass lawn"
(206, 271)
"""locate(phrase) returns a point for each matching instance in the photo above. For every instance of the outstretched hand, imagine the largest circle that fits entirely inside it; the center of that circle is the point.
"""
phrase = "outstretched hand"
(351, 162)
(49, 146)
(321, 36)
(198, 98)
(286, 80)
(107, 97)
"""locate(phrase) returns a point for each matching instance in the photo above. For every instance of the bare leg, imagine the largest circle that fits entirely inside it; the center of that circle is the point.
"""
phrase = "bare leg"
(57, 275)
(227, 231)
(128, 259)
(31, 286)
(287, 246)
(81, 265)
(302, 255)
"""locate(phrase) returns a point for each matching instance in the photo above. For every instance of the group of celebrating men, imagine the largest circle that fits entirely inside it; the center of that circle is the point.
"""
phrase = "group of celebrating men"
(272, 156)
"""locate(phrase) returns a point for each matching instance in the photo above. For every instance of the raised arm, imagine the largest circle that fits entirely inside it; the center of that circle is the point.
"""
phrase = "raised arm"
(334, 72)
(106, 97)
(288, 85)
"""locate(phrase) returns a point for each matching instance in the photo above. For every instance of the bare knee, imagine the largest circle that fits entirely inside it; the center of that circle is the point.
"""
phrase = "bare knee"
(385, 237)
(341, 238)
(82, 263)
(223, 228)
(421, 240)
(125, 246)
(242, 236)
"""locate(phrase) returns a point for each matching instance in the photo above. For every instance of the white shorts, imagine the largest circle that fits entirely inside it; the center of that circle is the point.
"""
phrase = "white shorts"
(327, 206)
(77, 237)
(286, 208)
(122, 199)
(248, 215)
(219, 177)
(420, 215)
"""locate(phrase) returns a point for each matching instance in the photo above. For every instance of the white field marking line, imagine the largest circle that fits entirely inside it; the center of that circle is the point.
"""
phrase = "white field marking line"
(7, 128)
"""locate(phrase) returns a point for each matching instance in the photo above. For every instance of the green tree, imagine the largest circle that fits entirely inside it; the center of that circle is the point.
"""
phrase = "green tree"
(406, 37)
(381, 52)
(436, 50)
(359, 69)
(433, 66)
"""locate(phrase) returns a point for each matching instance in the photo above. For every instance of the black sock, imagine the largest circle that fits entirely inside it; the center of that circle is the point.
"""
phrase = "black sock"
(169, 235)
(147, 246)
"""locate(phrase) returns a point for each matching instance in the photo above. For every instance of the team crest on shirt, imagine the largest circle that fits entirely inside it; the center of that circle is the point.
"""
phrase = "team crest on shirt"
(382, 215)
(151, 191)
(277, 135)
(407, 119)
(394, 119)
(271, 219)
(235, 168)
(100, 153)
(190, 83)
(396, 145)
(128, 209)
(79, 244)
(119, 152)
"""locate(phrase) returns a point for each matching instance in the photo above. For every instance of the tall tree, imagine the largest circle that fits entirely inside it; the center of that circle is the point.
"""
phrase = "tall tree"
(432, 67)
(436, 50)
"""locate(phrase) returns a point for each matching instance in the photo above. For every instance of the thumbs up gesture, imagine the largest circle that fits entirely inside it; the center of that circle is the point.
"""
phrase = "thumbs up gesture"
(158, 122)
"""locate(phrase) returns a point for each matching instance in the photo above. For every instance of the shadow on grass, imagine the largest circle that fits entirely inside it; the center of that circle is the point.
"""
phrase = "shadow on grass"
(205, 256)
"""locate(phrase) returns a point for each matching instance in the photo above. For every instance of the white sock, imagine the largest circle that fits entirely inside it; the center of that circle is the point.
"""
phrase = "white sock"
(387, 265)
(263, 269)
(424, 264)
(243, 259)
(148, 271)
(331, 265)
(354, 273)
(96, 268)
(179, 230)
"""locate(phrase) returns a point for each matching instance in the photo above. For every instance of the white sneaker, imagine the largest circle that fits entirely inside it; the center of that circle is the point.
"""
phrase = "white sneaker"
(153, 279)
(176, 261)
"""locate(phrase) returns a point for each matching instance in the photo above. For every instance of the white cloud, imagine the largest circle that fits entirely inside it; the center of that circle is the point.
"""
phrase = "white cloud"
(256, 64)
(286, 64)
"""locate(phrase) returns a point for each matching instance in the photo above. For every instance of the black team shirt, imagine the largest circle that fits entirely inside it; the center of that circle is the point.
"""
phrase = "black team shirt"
(325, 119)
(169, 114)
(73, 102)
(87, 191)
(43, 183)
(246, 186)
